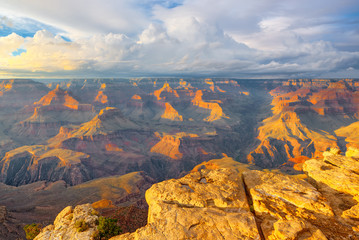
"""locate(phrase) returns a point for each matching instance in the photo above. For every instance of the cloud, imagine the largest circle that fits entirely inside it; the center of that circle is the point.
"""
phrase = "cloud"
(198, 37)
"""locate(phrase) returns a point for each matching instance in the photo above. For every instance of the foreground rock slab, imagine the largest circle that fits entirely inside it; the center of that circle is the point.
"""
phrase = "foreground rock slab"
(202, 205)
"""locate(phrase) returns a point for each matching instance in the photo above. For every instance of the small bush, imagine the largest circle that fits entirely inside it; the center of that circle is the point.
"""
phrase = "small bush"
(107, 228)
(81, 225)
(32, 230)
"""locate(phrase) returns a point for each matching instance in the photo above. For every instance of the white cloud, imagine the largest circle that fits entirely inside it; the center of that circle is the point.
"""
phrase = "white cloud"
(228, 38)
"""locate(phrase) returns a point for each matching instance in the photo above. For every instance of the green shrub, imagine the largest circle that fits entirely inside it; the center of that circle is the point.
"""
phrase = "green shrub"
(81, 225)
(107, 228)
(32, 230)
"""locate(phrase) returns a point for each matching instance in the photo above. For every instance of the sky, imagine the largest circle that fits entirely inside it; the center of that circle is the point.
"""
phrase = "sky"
(209, 38)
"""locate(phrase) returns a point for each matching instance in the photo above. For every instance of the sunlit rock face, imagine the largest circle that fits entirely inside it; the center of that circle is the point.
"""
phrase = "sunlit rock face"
(165, 92)
(238, 203)
(201, 205)
(216, 110)
(171, 114)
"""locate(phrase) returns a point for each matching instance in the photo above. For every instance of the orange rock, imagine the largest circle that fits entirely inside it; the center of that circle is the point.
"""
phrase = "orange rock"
(101, 98)
(111, 147)
(58, 97)
(284, 136)
(103, 203)
(168, 146)
(136, 97)
(171, 113)
(216, 110)
(167, 89)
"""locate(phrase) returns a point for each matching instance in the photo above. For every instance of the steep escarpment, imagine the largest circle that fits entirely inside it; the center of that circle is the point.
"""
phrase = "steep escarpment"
(29, 164)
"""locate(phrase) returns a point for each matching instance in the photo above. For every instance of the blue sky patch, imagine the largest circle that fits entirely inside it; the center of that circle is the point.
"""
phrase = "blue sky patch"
(26, 27)
(18, 52)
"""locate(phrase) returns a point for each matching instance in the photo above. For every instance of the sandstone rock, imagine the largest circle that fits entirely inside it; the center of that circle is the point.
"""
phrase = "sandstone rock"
(290, 208)
(66, 224)
(168, 146)
(352, 153)
(171, 113)
(337, 178)
(101, 98)
(164, 92)
(210, 204)
(216, 110)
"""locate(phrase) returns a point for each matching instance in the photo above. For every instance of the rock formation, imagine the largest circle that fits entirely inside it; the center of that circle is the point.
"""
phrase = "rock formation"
(350, 133)
(171, 113)
(216, 110)
(306, 114)
(16, 93)
(66, 224)
(284, 136)
(202, 205)
(55, 109)
(168, 146)
(165, 92)
(101, 98)
(28, 164)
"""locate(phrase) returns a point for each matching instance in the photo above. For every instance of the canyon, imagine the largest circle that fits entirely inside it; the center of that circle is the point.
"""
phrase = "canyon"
(74, 136)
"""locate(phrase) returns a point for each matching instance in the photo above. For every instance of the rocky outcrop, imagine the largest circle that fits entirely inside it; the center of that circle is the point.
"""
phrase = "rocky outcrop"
(168, 146)
(165, 92)
(101, 98)
(170, 113)
(238, 203)
(350, 133)
(29, 164)
(68, 223)
(284, 136)
(216, 110)
(109, 119)
(287, 208)
(201, 205)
